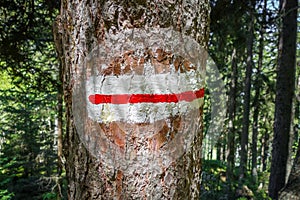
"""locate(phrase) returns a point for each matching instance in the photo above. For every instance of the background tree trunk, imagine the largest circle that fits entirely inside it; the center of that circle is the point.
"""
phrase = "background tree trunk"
(285, 89)
(291, 190)
(265, 149)
(246, 103)
(60, 155)
(82, 25)
(256, 102)
(231, 118)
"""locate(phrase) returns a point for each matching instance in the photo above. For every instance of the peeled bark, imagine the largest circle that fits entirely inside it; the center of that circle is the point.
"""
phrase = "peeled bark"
(84, 25)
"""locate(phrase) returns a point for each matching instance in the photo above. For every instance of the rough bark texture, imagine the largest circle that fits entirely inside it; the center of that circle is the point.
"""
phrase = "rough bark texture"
(291, 190)
(285, 89)
(81, 26)
(57, 40)
(60, 137)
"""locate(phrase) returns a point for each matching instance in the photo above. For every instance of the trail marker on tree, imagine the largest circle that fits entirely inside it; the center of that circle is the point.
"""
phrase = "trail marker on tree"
(138, 101)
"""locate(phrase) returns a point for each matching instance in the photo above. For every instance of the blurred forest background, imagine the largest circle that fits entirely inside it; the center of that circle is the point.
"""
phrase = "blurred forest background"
(244, 42)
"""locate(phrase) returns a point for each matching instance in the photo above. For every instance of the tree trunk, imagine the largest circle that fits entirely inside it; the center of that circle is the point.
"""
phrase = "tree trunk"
(231, 118)
(60, 162)
(246, 105)
(218, 146)
(291, 190)
(83, 25)
(285, 88)
(59, 49)
(256, 102)
(224, 154)
(255, 129)
(265, 150)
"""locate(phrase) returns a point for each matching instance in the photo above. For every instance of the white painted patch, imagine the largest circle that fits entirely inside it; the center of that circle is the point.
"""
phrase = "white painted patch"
(170, 83)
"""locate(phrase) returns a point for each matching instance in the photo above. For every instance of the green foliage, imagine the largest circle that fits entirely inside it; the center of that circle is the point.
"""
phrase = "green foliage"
(228, 47)
(28, 146)
(6, 195)
(26, 42)
(49, 196)
(215, 186)
(28, 99)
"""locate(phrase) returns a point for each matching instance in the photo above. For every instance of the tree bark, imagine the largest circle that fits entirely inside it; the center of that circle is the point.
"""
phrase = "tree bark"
(84, 25)
(59, 49)
(231, 117)
(257, 84)
(219, 145)
(265, 150)
(291, 189)
(285, 88)
(246, 103)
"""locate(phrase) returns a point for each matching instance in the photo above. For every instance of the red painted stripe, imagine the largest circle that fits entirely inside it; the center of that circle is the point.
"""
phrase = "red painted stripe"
(146, 98)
